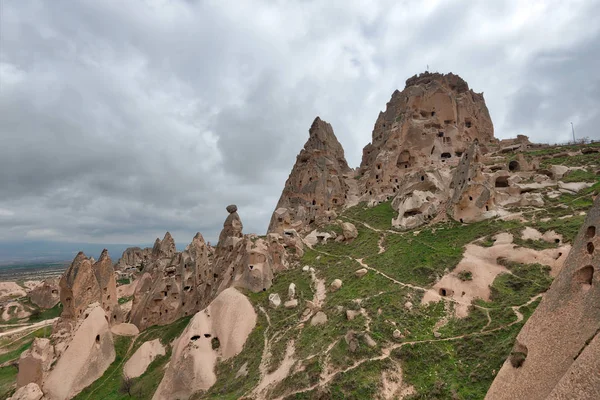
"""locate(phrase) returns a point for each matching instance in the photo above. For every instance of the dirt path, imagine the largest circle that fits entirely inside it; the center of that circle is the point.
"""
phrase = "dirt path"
(35, 326)
(387, 351)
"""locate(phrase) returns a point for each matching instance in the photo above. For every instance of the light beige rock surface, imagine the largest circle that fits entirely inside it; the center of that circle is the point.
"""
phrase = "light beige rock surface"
(89, 354)
(316, 187)
(29, 392)
(560, 339)
(141, 359)
(124, 329)
(229, 319)
(84, 283)
(431, 122)
(34, 363)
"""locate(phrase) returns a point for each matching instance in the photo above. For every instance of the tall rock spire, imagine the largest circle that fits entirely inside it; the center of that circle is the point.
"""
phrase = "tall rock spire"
(316, 185)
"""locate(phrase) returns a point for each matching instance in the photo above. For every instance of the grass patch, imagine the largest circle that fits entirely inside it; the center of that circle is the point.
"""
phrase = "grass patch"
(8, 381)
(379, 217)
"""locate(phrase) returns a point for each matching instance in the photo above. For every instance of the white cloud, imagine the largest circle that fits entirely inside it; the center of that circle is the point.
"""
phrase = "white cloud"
(120, 120)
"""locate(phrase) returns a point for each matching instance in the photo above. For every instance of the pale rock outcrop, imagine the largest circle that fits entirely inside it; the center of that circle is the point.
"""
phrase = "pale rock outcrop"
(84, 283)
(274, 300)
(349, 231)
(88, 355)
(173, 287)
(220, 330)
(319, 318)
(124, 329)
(429, 124)
(46, 294)
(292, 291)
(9, 290)
(335, 285)
(141, 359)
(30, 391)
(35, 362)
(473, 196)
(135, 257)
(420, 196)
(316, 187)
(559, 346)
(361, 272)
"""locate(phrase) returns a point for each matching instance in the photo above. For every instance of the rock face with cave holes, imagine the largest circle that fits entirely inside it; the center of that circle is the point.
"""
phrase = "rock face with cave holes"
(430, 123)
(46, 294)
(84, 283)
(420, 197)
(84, 356)
(217, 332)
(473, 196)
(557, 353)
(316, 187)
(174, 285)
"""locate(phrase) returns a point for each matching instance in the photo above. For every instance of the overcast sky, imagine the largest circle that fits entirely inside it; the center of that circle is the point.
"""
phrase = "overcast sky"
(120, 120)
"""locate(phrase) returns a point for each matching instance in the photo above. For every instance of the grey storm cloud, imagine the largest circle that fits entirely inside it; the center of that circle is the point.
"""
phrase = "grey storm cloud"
(121, 120)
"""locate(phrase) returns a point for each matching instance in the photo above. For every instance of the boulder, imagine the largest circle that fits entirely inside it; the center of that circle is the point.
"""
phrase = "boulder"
(335, 285)
(274, 300)
(30, 391)
(292, 291)
(349, 231)
(319, 318)
(291, 303)
(369, 340)
(360, 272)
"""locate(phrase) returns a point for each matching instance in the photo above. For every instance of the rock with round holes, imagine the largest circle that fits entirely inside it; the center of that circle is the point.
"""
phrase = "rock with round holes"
(89, 353)
(557, 353)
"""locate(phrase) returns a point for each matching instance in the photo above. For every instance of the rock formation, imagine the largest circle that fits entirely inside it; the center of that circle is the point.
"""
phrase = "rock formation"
(142, 358)
(46, 294)
(174, 285)
(28, 392)
(431, 122)
(34, 362)
(316, 187)
(88, 355)
(473, 195)
(557, 353)
(219, 331)
(85, 283)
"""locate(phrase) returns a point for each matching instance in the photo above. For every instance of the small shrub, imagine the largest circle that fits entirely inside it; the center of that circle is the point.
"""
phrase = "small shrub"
(517, 358)
(465, 275)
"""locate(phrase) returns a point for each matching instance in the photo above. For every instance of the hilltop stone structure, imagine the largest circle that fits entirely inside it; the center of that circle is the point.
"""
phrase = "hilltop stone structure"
(317, 186)
(557, 353)
(431, 122)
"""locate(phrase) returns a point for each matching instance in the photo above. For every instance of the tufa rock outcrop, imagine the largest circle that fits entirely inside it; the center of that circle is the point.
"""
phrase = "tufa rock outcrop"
(473, 195)
(34, 362)
(557, 353)
(85, 283)
(87, 356)
(316, 187)
(174, 285)
(46, 294)
(219, 331)
(431, 122)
